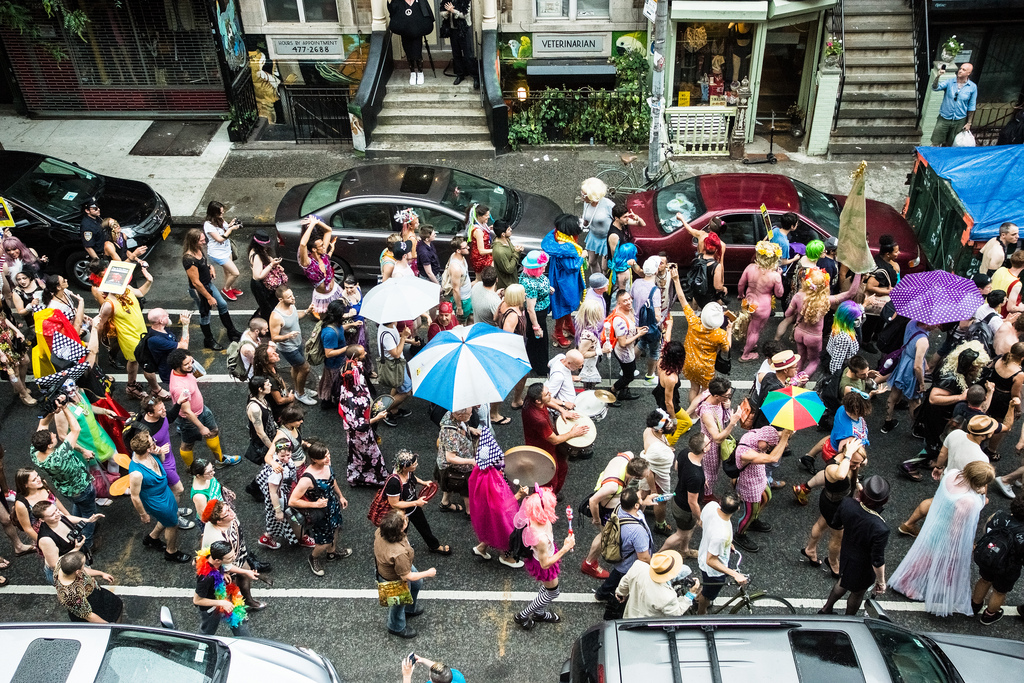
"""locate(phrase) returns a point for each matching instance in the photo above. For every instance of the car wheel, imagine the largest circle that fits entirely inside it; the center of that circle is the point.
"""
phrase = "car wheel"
(341, 270)
(76, 270)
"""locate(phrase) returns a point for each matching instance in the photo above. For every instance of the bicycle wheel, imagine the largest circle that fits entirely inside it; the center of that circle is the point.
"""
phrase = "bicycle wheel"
(617, 180)
(763, 605)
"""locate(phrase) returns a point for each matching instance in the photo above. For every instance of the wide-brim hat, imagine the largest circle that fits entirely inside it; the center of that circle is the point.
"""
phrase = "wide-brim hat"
(712, 316)
(982, 425)
(784, 359)
(875, 491)
(665, 566)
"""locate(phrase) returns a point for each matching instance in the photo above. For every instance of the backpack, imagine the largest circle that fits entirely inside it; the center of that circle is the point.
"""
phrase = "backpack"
(611, 536)
(516, 548)
(698, 280)
(828, 390)
(446, 280)
(980, 331)
(314, 345)
(608, 335)
(994, 550)
(731, 465)
(144, 355)
(236, 368)
(645, 318)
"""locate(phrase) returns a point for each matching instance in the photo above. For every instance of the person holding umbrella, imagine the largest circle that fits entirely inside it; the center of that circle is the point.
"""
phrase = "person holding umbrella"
(757, 448)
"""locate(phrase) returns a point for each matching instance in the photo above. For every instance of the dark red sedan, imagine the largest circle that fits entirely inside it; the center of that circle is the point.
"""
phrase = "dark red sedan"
(736, 199)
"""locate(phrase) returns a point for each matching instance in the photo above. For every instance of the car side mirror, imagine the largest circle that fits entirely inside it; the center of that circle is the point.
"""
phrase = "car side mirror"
(875, 610)
(166, 620)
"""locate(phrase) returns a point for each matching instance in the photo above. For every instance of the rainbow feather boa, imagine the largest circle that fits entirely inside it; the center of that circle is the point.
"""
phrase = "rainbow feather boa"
(222, 589)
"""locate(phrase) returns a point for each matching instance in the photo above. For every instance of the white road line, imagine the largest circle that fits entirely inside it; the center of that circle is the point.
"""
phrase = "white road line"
(449, 595)
(175, 312)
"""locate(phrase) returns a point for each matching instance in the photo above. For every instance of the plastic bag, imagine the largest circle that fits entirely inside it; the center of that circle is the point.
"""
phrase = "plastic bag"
(964, 139)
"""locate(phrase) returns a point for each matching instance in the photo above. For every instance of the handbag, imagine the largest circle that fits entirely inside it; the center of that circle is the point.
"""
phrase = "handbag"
(391, 373)
(99, 480)
(393, 593)
(380, 506)
(311, 517)
(749, 413)
(874, 303)
(727, 446)
(723, 364)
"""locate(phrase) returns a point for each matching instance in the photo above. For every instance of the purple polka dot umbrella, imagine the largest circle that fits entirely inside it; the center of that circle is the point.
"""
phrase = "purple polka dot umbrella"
(936, 297)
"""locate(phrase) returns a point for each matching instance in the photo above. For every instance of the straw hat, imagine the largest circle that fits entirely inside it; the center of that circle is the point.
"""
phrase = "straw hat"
(665, 566)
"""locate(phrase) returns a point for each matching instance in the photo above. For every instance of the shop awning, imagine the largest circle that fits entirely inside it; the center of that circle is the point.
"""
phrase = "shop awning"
(989, 181)
(789, 8)
(744, 10)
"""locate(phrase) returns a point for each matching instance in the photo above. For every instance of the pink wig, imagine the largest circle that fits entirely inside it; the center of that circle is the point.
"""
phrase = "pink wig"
(539, 507)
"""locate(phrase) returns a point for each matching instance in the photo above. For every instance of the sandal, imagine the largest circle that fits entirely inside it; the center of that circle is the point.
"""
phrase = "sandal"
(911, 474)
(4, 564)
(443, 549)
(4, 581)
(811, 561)
(22, 553)
(516, 407)
(452, 507)
(503, 421)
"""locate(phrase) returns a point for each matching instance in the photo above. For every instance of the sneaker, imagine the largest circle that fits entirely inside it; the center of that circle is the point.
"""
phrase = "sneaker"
(228, 460)
(306, 400)
(1004, 488)
(184, 512)
(408, 631)
(593, 570)
(401, 412)
(103, 502)
(185, 524)
(338, 555)
(412, 78)
(525, 624)
(800, 492)
(760, 525)
(237, 292)
(650, 380)
(419, 78)
(988, 618)
(809, 463)
(178, 557)
(269, 542)
(481, 553)
(311, 392)
(746, 542)
(976, 607)
(889, 426)
(229, 294)
(908, 530)
(307, 542)
(316, 565)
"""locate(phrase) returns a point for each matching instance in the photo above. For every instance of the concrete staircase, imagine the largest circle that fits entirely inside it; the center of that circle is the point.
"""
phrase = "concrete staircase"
(436, 117)
(878, 110)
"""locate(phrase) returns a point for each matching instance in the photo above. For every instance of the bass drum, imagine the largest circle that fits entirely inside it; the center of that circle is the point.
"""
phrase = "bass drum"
(588, 403)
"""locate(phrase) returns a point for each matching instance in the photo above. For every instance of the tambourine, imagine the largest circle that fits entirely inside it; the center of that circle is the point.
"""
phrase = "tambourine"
(562, 426)
(429, 490)
(528, 465)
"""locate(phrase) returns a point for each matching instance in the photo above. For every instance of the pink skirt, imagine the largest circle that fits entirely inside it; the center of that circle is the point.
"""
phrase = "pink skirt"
(493, 505)
(533, 568)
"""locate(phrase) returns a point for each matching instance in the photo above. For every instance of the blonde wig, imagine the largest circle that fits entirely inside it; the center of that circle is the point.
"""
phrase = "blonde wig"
(593, 190)
(952, 365)
(816, 294)
(767, 255)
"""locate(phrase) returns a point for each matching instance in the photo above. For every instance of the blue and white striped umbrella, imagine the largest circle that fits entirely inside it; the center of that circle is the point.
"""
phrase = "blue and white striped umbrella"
(469, 366)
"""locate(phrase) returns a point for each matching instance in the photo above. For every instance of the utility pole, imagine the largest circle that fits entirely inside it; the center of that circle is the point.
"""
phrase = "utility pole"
(657, 98)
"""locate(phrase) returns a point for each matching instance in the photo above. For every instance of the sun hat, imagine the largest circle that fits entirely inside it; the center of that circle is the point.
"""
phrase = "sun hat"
(665, 566)
(535, 259)
(982, 425)
(651, 265)
(784, 359)
(712, 316)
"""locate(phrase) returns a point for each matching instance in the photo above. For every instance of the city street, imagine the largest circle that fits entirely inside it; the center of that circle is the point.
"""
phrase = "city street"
(468, 622)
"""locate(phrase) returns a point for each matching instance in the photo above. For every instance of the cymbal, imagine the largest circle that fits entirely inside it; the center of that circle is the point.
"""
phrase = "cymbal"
(562, 426)
(605, 395)
(529, 465)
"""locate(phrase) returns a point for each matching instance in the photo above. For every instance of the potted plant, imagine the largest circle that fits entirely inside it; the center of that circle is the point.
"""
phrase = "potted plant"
(833, 51)
(951, 48)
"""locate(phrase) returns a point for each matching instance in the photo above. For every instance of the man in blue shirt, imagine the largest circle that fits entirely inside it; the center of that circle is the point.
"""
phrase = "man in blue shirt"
(637, 542)
(958, 105)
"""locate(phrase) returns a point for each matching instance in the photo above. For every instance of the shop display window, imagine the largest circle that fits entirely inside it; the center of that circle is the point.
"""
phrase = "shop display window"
(709, 58)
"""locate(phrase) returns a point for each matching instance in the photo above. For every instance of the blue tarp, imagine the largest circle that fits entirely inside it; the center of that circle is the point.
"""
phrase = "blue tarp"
(988, 180)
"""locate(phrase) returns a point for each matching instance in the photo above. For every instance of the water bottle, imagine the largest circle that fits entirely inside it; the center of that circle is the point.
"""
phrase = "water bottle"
(664, 497)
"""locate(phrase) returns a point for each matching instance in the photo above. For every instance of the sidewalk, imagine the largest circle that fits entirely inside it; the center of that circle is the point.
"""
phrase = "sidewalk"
(251, 179)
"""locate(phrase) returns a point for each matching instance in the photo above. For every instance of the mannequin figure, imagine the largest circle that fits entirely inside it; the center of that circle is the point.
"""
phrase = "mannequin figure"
(741, 40)
(760, 281)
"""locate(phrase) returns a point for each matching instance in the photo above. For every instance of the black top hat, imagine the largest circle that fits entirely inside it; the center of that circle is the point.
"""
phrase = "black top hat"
(875, 492)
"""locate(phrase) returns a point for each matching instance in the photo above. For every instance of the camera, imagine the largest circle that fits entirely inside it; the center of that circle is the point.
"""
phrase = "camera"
(76, 530)
(683, 584)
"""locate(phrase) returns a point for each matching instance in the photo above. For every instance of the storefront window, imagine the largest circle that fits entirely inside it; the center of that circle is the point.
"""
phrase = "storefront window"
(589, 9)
(572, 9)
(301, 10)
(709, 57)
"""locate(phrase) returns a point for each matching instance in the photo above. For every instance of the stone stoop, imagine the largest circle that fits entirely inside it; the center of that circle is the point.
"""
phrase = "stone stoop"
(878, 110)
(434, 117)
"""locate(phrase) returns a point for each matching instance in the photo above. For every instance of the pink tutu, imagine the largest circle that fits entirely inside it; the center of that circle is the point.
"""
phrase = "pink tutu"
(493, 505)
(533, 568)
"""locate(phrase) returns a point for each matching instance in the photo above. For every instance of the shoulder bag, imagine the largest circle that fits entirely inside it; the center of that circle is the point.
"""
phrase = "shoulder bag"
(380, 505)
(391, 373)
(392, 593)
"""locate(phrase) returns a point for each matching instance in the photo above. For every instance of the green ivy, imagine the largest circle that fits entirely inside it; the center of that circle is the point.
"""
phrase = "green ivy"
(620, 116)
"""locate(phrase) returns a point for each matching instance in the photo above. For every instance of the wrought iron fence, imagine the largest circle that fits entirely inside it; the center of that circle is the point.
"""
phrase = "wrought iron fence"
(320, 115)
(242, 112)
(700, 131)
(837, 27)
(989, 119)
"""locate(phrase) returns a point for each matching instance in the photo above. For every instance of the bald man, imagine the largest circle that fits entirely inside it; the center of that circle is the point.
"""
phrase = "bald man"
(958, 104)
(161, 343)
(561, 371)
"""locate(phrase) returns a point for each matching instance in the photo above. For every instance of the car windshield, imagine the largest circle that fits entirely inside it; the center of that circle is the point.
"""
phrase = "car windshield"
(684, 198)
(148, 655)
(56, 189)
(465, 189)
(322, 193)
(819, 207)
(907, 656)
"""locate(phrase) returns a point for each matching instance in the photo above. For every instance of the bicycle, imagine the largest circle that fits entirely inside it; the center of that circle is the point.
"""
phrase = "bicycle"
(761, 603)
(630, 176)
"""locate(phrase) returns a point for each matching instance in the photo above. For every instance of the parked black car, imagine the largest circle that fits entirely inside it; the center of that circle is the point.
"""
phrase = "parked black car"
(360, 205)
(46, 195)
(797, 649)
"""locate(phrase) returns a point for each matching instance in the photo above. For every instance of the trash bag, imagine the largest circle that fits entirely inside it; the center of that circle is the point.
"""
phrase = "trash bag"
(964, 139)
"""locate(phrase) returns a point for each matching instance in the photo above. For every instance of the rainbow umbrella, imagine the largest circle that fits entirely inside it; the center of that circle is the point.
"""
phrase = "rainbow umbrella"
(792, 408)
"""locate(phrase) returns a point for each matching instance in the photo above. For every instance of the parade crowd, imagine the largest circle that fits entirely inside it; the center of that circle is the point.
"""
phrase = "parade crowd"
(594, 315)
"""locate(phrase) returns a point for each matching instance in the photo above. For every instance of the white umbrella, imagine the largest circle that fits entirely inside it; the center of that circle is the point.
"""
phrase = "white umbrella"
(401, 298)
(469, 366)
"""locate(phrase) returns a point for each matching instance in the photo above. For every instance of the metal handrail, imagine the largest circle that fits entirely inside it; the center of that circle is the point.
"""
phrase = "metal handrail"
(837, 27)
(922, 57)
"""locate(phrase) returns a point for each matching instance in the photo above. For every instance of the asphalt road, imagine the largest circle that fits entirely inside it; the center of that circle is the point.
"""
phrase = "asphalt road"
(470, 603)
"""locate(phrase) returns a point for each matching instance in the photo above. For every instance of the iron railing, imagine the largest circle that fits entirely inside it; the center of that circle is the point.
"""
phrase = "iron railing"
(242, 113)
(922, 48)
(837, 27)
(990, 119)
(380, 63)
(320, 115)
(491, 98)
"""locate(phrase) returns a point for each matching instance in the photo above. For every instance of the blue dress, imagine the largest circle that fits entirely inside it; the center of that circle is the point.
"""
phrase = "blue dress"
(903, 377)
(156, 495)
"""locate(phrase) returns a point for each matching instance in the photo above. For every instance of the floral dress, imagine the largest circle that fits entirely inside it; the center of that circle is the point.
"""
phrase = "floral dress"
(323, 531)
(702, 346)
(10, 353)
(480, 261)
(365, 463)
(285, 481)
(455, 439)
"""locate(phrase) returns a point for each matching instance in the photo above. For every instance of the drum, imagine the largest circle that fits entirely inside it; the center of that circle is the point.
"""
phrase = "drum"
(590, 404)
(528, 465)
(580, 447)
